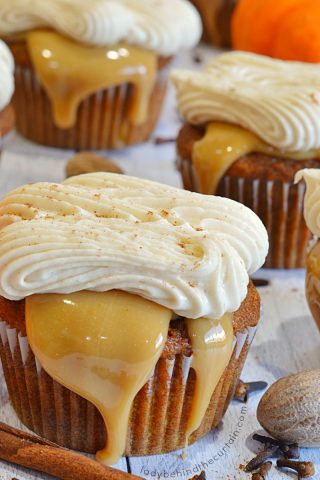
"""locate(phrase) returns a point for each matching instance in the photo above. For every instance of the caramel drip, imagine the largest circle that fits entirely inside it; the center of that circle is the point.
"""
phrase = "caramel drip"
(70, 72)
(212, 343)
(313, 260)
(313, 281)
(102, 346)
(222, 145)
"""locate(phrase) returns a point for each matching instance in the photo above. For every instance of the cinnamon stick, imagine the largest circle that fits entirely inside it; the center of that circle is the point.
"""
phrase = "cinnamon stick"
(40, 454)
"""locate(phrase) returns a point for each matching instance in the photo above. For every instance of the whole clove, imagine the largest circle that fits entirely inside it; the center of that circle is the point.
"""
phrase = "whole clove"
(201, 476)
(289, 450)
(260, 282)
(241, 393)
(266, 440)
(244, 389)
(303, 469)
(259, 459)
(262, 472)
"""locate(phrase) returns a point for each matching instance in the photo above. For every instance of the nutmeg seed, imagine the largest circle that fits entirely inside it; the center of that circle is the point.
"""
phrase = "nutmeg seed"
(290, 409)
(87, 162)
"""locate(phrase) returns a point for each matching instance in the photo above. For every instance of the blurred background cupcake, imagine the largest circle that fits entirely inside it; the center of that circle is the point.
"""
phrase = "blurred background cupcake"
(6, 90)
(311, 213)
(92, 75)
(251, 123)
(216, 18)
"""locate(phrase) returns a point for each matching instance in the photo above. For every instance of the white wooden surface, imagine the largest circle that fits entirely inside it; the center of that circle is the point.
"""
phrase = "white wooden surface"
(287, 340)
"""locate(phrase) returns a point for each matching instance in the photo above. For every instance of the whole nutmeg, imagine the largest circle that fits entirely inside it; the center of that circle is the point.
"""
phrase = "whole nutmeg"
(87, 162)
(290, 409)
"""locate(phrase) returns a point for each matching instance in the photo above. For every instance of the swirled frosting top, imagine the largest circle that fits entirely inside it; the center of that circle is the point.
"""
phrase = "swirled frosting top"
(278, 101)
(189, 252)
(165, 26)
(312, 198)
(6, 75)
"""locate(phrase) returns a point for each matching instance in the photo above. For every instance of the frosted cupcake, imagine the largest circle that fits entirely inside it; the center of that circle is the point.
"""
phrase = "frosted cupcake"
(250, 124)
(143, 290)
(6, 90)
(311, 213)
(93, 74)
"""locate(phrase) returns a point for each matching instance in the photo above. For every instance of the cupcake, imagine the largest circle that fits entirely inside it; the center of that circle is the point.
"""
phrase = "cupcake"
(6, 90)
(311, 213)
(250, 124)
(216, 18)
(92, 75)
(127, 311)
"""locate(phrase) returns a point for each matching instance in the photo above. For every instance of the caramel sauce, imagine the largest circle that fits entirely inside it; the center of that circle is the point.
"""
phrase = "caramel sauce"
(222, 145)
(313, 281)
(212, 344)
(105, 345)
(102, 346)
(70, 72)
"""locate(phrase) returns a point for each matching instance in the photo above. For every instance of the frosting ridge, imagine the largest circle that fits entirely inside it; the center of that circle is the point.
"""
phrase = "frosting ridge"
(6, 75)
(189, 252)
(312, 198)
(165, 26)
(278, 101)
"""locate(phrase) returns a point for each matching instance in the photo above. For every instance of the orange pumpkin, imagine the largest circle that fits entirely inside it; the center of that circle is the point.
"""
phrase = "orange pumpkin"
(286, 29)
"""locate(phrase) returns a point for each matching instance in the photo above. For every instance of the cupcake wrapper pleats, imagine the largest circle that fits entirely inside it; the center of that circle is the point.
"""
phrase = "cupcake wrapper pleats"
(102, 119)
(160, 410)
(278, 204)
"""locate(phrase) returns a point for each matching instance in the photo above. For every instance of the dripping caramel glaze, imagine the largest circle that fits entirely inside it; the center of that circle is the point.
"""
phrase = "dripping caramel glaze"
(70, 72)
(104, 346)
(223, 144)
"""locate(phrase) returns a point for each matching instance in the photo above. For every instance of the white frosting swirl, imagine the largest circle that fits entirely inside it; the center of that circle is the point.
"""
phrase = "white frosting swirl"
(164, 26)
(312, 198)
(189, 252)
(6, 75)
(278, 101)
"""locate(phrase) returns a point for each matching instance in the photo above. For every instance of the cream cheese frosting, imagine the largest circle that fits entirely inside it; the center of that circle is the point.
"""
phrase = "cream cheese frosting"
(6, 75)
(165, 26)
(278, 101)
(189, 252)
(312, 198)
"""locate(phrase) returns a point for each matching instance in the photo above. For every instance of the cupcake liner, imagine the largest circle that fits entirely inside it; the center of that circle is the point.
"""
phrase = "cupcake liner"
(159, 413)
(278, 204)
(102, 118)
